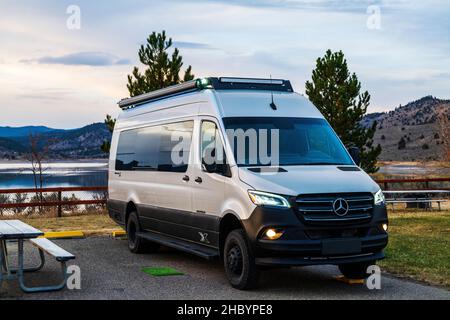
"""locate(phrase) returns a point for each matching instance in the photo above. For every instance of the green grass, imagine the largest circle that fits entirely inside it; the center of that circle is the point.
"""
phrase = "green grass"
(419, 246)
(162, 272)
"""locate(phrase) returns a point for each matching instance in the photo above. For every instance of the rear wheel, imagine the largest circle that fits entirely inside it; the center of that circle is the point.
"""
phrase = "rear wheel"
(239, 262)
(137, 244)
(356, 270)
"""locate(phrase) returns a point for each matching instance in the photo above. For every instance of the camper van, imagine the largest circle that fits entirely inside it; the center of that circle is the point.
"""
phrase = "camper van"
(246, 171)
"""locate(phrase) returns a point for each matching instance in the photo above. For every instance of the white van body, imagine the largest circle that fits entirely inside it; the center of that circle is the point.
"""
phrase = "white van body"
(195, 210)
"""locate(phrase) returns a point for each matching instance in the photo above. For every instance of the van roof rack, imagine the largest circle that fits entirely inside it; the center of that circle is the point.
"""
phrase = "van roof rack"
(221, 83)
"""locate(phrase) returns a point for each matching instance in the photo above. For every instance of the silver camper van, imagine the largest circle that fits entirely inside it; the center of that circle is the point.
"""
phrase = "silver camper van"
(244, 170)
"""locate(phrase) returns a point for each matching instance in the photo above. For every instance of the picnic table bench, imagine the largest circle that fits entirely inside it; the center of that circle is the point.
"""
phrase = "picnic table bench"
(424, 199)
(15, 230)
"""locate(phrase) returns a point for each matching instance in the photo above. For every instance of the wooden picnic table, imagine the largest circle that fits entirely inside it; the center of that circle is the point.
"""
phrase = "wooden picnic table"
(16, 230)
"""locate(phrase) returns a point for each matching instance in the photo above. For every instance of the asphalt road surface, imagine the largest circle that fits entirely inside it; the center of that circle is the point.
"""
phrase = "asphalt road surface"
(110, 271)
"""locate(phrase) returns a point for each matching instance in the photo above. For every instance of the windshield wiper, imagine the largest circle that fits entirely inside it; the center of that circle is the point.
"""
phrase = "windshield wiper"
(324, 164)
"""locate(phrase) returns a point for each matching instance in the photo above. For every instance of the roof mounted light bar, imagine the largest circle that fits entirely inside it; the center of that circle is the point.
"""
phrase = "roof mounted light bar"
(250, 80)
(158, 94)
(229, 83)
(224, 83)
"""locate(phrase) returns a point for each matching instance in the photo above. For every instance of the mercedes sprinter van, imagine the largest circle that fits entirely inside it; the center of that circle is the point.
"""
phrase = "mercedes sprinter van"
(244, 170)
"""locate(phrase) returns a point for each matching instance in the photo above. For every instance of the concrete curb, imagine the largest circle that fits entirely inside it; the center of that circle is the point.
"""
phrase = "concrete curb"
(81, 234)
(349, 281)
(118, 234)
(64, 235)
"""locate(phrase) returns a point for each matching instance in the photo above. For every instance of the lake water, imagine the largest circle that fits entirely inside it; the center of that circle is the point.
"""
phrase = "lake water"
(14, 175)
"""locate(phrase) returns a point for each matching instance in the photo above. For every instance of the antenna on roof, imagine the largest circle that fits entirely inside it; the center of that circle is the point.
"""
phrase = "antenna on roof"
(272, 104)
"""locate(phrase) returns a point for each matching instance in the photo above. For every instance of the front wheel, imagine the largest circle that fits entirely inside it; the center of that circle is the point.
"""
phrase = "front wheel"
(239, 262)
(356, 270)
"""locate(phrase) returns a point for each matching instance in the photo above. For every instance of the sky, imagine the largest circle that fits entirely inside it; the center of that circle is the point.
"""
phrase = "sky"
(64, 64)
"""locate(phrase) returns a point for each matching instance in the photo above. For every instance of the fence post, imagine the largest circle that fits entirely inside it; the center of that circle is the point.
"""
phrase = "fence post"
(59, 204)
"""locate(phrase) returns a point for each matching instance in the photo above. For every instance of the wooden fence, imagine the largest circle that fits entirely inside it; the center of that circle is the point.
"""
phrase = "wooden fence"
(59, 202)
(427, 182)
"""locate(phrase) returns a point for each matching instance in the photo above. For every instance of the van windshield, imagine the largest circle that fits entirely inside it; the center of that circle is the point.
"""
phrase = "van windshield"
(273, 141)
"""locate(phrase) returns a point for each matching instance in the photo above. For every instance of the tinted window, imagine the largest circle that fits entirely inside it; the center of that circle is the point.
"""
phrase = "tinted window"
(209, 139)
(299, 141)
(158, 148)
(212, 150)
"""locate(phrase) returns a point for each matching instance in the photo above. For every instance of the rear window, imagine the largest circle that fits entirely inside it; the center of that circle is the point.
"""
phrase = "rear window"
(157, 148)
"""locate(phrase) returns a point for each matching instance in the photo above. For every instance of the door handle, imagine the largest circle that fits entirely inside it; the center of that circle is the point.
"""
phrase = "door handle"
(199, 180)
(119, 174)
(186, 178)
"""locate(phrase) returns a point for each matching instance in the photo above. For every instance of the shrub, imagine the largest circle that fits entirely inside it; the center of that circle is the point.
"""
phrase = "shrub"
(401, 144)
(4, 198)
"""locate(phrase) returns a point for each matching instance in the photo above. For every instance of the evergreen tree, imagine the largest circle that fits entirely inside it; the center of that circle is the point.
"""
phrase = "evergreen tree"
(336, 93)
(110, 123)
(162, 70)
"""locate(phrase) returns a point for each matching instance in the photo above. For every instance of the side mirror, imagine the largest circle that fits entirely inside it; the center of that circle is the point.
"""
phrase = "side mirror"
(210, 168)
(355, 153)
(209, 164)
(219, 166)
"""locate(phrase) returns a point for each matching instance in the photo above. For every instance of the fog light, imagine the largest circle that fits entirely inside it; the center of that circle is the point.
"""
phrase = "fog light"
(384, 226)
(273, 234)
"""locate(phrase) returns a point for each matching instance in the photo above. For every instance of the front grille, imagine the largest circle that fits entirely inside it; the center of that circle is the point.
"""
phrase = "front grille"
(318, 208)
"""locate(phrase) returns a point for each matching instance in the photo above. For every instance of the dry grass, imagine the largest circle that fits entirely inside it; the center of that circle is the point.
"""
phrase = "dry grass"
(94, 224)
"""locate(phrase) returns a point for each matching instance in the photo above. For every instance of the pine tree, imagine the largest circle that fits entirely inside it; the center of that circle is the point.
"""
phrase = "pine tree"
(162, 70)
(110, 123)
(336, 93)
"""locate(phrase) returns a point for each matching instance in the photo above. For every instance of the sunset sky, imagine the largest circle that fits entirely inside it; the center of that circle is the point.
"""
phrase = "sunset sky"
(66, 78)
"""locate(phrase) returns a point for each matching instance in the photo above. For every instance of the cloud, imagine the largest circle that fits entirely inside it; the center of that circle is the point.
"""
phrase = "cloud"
(192, 45)
(359, 6)
(94, 59)
(46, 94)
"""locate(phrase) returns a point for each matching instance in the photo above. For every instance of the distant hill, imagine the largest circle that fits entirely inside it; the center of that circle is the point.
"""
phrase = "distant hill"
(8, 132)
(407, 133)
(412, 132)
(61, 144)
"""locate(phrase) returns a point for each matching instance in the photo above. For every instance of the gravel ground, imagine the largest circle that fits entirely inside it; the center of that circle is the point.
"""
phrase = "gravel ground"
(110, 271)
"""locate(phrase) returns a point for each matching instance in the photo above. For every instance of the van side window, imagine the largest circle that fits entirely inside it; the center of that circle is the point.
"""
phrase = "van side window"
(158, 148)
(212, 150)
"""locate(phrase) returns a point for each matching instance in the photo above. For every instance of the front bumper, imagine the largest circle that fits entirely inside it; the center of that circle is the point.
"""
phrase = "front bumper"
(309, 261)
(305, 244)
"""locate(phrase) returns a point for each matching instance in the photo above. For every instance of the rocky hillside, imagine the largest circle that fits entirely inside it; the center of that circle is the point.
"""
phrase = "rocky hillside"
(417, 131)
(60, 144)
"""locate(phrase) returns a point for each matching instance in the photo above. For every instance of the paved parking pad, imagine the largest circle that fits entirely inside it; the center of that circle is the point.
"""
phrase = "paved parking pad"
(110, 271)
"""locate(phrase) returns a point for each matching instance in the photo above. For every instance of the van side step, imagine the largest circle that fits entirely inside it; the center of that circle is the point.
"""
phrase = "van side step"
(198, 250)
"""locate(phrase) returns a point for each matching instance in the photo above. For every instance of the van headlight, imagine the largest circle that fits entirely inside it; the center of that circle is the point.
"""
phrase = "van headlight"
(268, 199)
(379, 197)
